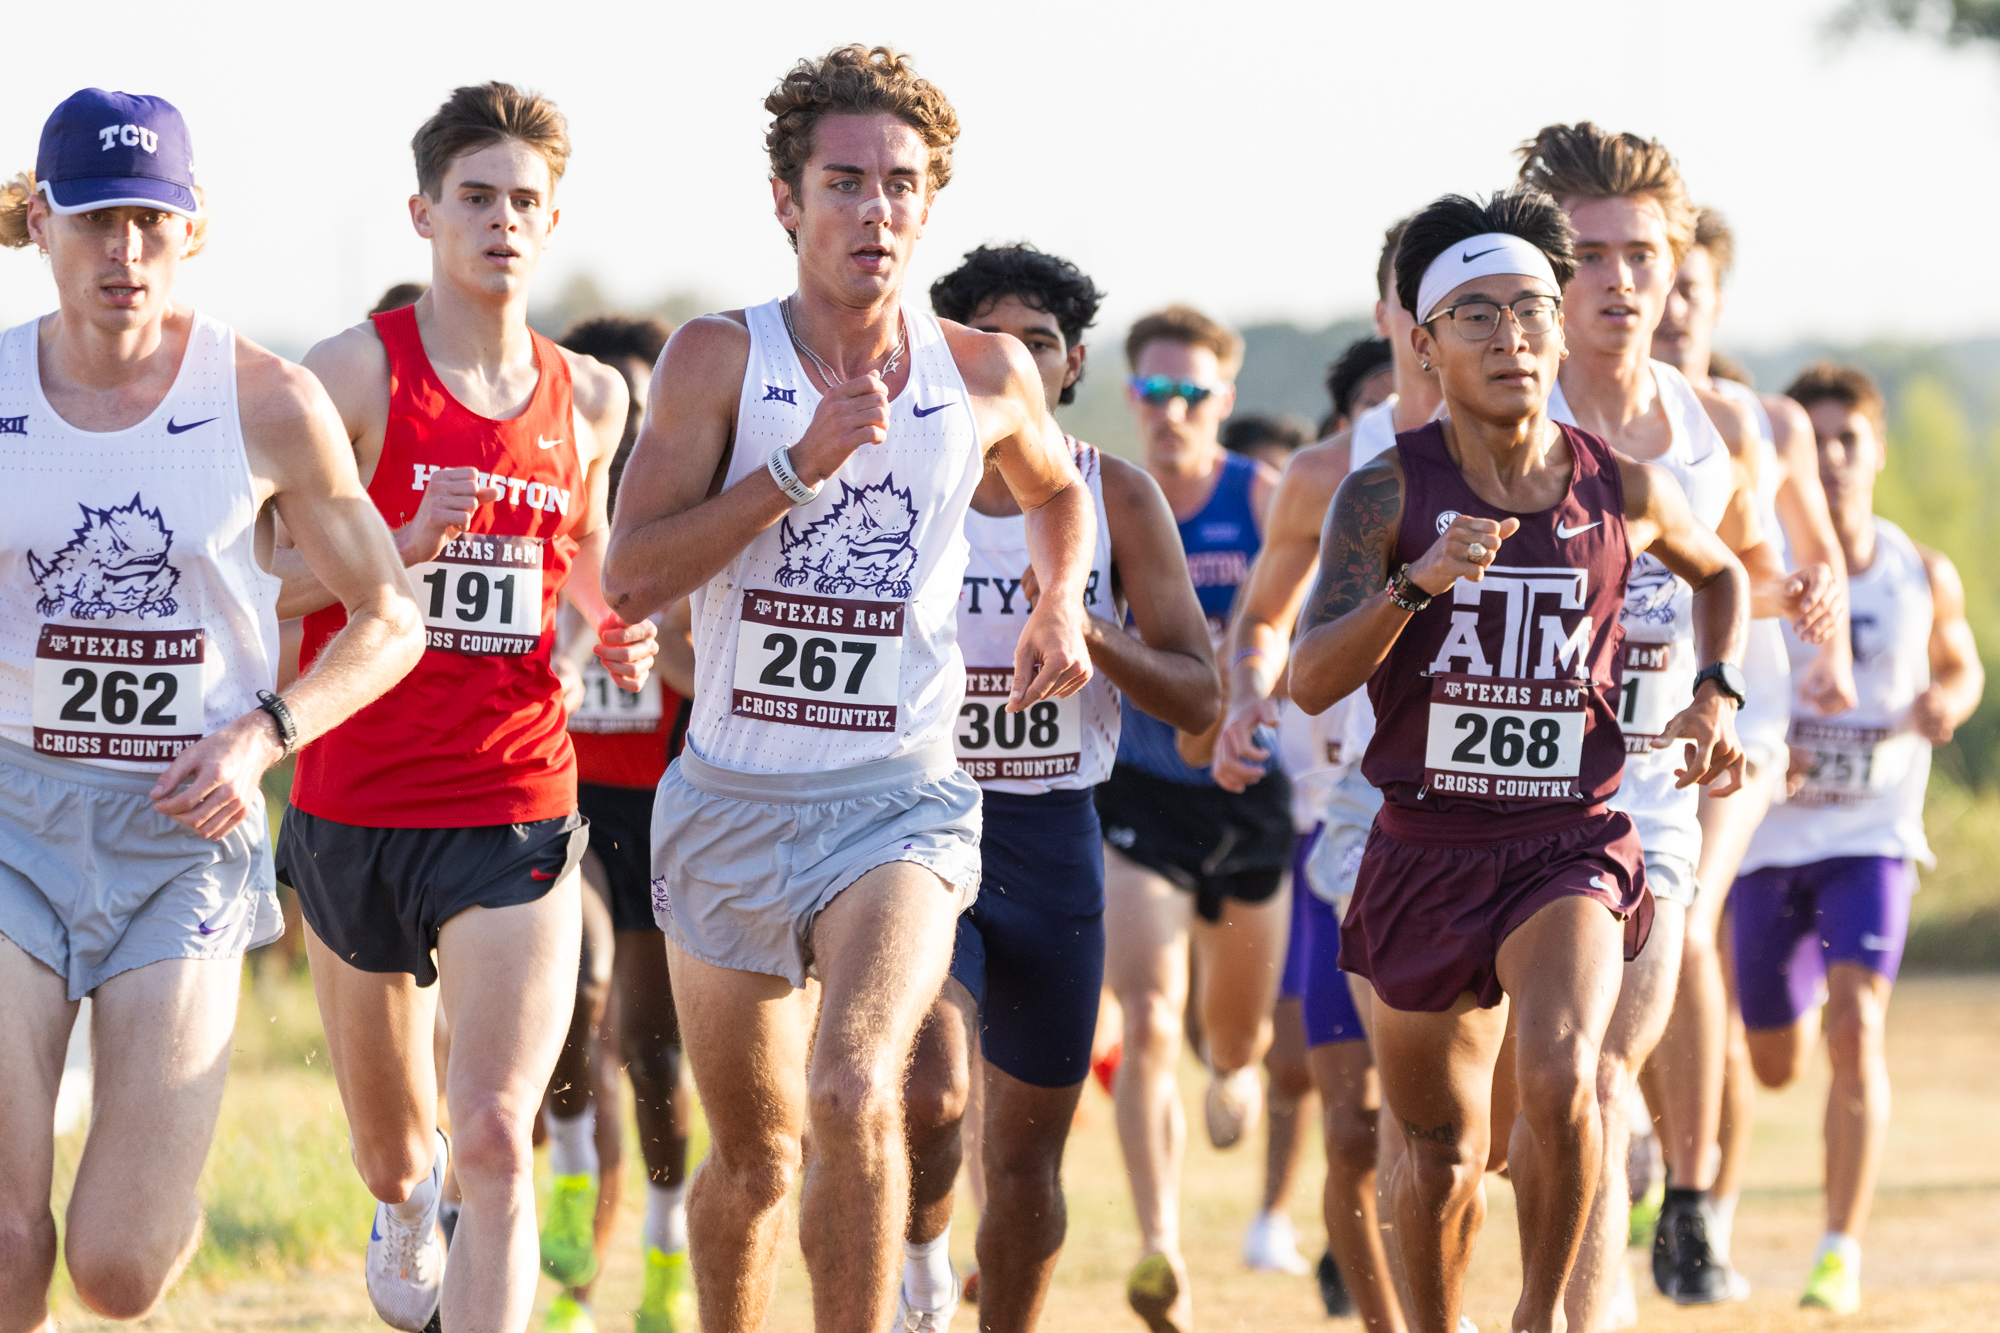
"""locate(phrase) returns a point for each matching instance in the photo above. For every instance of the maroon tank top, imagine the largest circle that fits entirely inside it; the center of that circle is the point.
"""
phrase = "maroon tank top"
(1497, 698)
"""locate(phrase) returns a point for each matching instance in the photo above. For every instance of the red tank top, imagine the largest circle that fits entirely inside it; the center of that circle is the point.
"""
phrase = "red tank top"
(1497, 698)
(475, 734)
(637, 759)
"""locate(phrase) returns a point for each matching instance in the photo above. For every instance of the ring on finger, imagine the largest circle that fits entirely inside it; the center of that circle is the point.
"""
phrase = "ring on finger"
(1477, 551)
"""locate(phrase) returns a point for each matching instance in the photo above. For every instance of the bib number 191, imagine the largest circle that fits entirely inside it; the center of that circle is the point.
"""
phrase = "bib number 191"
(482, 596)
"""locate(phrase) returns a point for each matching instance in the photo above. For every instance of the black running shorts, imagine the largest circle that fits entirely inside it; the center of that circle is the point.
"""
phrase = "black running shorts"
(621, 833)
(1212, 843)
(377, 897)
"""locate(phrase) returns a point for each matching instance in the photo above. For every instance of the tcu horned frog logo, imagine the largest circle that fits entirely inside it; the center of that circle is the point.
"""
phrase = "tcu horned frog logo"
(863, 544)
(116, 564)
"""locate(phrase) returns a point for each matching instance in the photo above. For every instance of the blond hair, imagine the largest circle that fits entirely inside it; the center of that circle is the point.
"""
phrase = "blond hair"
(18, 193)
(1583, 162)
(1190, 328)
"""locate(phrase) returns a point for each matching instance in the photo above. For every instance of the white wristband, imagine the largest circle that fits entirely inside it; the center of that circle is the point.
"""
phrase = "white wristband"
(779, 464)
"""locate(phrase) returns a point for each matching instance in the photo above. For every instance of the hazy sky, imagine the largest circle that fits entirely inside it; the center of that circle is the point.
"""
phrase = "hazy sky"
(1244, 156)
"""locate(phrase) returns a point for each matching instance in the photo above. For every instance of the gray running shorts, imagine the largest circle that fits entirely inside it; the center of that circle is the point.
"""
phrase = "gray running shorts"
(1349, 812)
(94, 881)
(1671, 878)
(743, 863)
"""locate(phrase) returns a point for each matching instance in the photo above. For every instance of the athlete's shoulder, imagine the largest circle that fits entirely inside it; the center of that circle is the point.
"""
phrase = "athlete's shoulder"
(351, 363)
(1317, 470)
(271, 391)
(1947, 588)
(598, 390)
(1128, 486)
(992, 364)
(1733, 418)
(1789, 422)
(708, 344)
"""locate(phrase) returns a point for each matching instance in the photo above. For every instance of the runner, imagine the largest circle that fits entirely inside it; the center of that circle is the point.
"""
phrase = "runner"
(1193, 875)
(1362, 376)
(444, 817)
(817, 822)
(1343, 805)
(1823, 908)
(1633, 226)
(1686, 1078)
(1029, 961)
(623, 742)
(152, 449)
(1494, 868)
(1267, 439)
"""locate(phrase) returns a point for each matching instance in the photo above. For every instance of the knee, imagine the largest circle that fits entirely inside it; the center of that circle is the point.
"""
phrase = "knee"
(1445, 1172)
(27, 1248)
(861, 1099)
(1350, 1142)
(115, 1281)
(1027, 1176)
(652, 1063)
(392, 1170)
(1853, 1037)
(935, 1096)
(760, 1173)
(1561, 1086)
(1776, 1058)
(493, 1145)
(1152, 1025)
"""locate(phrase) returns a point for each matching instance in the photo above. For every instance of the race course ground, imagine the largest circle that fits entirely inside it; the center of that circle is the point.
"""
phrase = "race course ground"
(287, 1216)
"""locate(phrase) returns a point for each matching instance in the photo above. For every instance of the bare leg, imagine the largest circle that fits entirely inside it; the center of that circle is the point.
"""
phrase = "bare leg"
(1644, 1000)
(1146, 966)
(649, 1045)
(1289, 1105)
(1562, 972)
(883, 947)
(936, 1094)
(33, 1040)
(1239, 962)
(1739, 1083)
(1351, 1095)
(1389, 1151)
(1021, 1232)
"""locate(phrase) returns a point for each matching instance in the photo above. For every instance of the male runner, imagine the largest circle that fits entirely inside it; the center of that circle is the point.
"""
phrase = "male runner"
(1029, 962)
(1363, 375)
(1633, 224)
(1269, 440)
(1494, 868)
(1823, 908)
(148, 448)
(1687, 1079)
(444, 816)
(1344, 801)
(623, 742)
(1190, 869)
(804, 472)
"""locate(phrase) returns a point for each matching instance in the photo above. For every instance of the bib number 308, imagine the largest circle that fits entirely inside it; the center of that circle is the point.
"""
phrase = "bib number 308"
(993, 744)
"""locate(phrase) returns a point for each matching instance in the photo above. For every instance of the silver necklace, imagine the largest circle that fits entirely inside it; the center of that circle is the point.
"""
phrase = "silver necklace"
(828, 372)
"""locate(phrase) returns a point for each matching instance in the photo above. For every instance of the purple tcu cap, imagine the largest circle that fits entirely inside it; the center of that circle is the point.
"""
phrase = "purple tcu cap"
(101, 149)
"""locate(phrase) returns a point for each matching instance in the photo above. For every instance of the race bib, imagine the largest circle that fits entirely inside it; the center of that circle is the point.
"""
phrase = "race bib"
(1848, 765)
(1041, 743)
(1505, 739)
(1659, 683)
(482, 596)
(608, 710)
(126, 695)
(823, 662)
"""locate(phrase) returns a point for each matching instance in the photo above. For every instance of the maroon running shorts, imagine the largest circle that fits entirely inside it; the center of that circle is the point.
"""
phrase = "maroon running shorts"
(1437, 894)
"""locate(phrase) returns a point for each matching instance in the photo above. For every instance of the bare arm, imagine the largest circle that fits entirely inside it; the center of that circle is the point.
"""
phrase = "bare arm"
(1828, 682)
(1957, 676)
(1268, 606)
(626, 648)
(301, 464)
(1658, 522)
(1349, 624)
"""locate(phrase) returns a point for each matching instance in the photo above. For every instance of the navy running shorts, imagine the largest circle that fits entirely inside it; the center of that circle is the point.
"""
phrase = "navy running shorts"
(1031, 949)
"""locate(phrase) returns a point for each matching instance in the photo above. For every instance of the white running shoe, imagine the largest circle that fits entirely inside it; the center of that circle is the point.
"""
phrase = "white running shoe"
(1271, 1245)
(406, 1262)
(1234, 1105)
(1622, 1310)
(926, 1321)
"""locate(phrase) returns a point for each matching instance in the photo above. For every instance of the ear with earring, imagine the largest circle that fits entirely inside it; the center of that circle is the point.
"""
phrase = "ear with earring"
(1425, 364)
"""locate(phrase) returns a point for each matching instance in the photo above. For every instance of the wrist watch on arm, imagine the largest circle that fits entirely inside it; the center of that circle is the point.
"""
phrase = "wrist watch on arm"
(1728, 679)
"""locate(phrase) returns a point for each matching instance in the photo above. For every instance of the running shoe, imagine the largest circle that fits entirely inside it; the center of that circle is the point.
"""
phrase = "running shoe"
(1234, 1104)
(406, 1259)
(1152, 1291)
(1835, 1285)
(668, 1303)
(1700, 1278)
(969, 1289)
(1271, 1245)
(1666, 1259)
(569, 1249)
(1622, 1310)
(925, 1321)
(568, 1315)
(1105, 1067)
(1646, 1215)
(1333, 1291)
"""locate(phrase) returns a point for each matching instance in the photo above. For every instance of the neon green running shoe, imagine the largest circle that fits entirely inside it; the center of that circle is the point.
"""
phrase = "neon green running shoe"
(569, 1315)
(668, 1305)
(1646, 1215)
(568, 1252)
(1835, 1285)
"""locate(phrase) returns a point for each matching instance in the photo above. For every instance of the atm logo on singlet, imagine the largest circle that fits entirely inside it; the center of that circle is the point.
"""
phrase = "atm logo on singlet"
(1537, 640)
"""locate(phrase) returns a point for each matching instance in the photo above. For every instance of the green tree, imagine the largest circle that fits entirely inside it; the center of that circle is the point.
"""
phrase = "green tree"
(1954, 21)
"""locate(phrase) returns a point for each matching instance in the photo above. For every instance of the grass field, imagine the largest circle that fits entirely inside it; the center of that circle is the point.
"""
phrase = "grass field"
(287, 1216)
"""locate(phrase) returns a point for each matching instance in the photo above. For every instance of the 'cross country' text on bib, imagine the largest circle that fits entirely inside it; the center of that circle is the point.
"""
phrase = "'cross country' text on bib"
(1043, 741)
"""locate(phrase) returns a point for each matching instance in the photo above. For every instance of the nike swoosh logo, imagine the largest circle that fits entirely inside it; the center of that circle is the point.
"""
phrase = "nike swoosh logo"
(373, 1234)
(207, 929)
(1598, 882)
(1465, 258)
(1566, 532)
(541, 874)
(541, 443)
(173, 429)
(926, 411)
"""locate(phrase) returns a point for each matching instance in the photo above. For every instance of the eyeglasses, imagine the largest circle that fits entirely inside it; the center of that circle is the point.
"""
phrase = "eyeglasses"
(1159, 390)
(1478, 321)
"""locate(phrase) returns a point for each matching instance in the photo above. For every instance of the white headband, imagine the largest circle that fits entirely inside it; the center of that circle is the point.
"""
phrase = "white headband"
(1479, 257)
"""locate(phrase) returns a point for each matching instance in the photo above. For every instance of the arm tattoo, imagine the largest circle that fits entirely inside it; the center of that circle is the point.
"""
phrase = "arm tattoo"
(1360, 525)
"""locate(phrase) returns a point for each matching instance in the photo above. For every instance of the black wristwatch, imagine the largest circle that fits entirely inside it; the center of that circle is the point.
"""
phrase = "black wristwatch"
(1727, 678)
(288, 729)
(1405, 593)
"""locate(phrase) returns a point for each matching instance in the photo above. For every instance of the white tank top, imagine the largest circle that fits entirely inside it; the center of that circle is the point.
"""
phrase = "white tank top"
(1864, 790)
(1057, 744)
(831, 639)
(1658, 618)
(134, 618)
(1766, 664)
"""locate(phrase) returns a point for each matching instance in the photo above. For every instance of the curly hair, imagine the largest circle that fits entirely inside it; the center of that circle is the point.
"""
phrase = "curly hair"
(1351, 369)
(480, 115)
(16, 194)
(1583, 162)
(1056, 287)
(1519, 210)
(857, 80)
